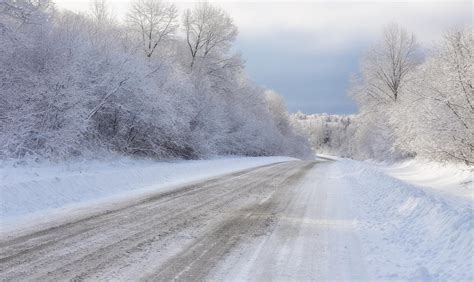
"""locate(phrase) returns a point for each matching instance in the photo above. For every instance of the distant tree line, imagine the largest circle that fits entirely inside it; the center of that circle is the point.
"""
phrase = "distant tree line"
(328, 134)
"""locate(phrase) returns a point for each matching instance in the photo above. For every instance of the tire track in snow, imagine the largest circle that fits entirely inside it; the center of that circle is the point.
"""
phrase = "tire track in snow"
(117, 243)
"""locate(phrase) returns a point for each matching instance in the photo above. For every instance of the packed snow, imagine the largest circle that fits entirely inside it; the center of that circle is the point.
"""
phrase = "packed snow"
(344, 219)
(351, 220)
(34, 189)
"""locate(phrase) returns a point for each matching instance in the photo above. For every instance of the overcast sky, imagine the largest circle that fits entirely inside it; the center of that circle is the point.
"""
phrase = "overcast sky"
(307, 50)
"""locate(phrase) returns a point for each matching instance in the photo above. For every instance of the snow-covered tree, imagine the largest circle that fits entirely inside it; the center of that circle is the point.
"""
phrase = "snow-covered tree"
(408, 108)
(77, 85)
(154, 21)
(388, 65)
(209, 31)
(436, 119)
(385, 71)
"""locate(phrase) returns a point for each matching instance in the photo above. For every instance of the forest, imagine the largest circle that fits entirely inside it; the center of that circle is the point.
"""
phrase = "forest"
(160, 84)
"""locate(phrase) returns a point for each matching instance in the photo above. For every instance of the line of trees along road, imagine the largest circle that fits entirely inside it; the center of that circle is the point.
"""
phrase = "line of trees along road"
(159, 84)
(411, 103)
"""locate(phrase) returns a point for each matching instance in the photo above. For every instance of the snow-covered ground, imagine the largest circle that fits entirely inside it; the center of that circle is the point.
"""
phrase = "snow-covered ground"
(409, 231)
(351, 220)
(35, 189)
(454, 179)
(329, 220)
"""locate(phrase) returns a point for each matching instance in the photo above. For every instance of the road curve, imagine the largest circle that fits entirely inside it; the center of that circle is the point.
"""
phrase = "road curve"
(178, 235)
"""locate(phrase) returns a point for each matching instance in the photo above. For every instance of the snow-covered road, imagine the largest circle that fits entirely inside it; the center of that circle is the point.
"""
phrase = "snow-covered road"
(287, 221)
(314, 238)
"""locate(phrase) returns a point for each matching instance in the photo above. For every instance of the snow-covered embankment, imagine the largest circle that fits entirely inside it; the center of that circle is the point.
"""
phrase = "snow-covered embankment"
(410, 231)
(36, 189)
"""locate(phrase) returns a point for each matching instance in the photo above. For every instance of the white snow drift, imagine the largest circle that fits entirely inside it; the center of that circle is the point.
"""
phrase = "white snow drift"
(350, 220)
(408, 231)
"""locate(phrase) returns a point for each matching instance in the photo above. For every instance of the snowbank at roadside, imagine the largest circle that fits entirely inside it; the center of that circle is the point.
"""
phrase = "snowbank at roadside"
(34, 189)
(455, 179)
(409, 231)
(325, 157)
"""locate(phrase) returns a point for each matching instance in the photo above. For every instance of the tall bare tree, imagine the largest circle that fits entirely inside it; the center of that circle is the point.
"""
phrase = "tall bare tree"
(208, 30)
(388, 65)
(154, 21)
(100, 11)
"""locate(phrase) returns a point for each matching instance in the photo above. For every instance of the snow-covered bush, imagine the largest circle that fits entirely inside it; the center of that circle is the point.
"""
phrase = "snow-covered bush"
(76, 85)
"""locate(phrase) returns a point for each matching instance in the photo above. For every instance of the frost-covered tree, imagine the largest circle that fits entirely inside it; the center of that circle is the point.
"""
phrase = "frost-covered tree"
(209, 31)
(27, 12)
(154, 21)
(100, 11)
(102, 26)
(436, 119)
(387, 66)
(385, 71)
(409, 108)
(75, 85)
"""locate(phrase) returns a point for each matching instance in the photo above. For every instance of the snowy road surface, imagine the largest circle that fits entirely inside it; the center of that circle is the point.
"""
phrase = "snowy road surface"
(288, 221)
